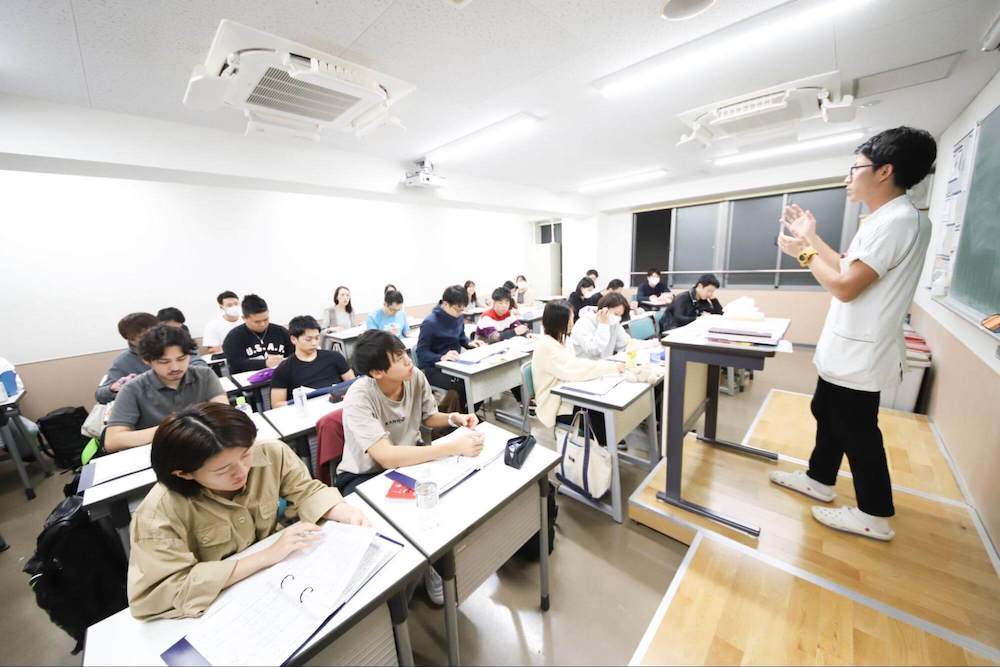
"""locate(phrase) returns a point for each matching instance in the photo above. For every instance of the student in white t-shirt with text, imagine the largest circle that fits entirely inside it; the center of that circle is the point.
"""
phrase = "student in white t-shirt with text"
(230, 318)
(861, 350)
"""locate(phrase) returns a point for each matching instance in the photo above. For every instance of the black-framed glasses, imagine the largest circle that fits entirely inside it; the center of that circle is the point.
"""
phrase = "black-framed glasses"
(850, 172)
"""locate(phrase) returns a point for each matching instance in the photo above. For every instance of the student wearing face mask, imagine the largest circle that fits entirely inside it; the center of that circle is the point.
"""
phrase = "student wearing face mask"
(524, 296)
(697, 301)
(584, 290)
(652, 289)
(229, 318)
(598, 333)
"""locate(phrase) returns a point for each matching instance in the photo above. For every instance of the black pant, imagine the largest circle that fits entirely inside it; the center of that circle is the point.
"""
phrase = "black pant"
(442, 380)
(596, 422)
(346, 482)
(847, 423)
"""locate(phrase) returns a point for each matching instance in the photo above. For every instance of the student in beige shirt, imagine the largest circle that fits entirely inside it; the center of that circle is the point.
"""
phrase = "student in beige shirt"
(217, 494)
(554, 362)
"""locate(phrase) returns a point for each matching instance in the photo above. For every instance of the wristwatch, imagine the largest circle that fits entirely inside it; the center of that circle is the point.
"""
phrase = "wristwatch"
(806, 256)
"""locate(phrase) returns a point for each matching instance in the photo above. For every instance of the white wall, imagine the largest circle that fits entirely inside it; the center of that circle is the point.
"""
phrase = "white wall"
(977, 339)
(79, 252)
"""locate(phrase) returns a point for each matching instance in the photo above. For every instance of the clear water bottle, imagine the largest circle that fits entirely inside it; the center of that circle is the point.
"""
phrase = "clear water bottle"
(299, 397)
(426, 491)
(243, 406)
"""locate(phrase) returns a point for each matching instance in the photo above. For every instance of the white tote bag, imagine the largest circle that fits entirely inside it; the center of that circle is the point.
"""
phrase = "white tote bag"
(586, 464)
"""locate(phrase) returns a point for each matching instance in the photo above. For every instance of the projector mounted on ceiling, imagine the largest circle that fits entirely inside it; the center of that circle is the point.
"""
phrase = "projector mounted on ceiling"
(289, 88)
(423, 176)
(769, 110)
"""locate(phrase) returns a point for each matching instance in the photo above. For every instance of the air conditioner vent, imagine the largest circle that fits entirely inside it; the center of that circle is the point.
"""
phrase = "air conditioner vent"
(278, 91)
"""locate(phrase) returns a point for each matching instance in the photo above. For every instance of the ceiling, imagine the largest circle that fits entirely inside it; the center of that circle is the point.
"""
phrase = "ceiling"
(490, 59)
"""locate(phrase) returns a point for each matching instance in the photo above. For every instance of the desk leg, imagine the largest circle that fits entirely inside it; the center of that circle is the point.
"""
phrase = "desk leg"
(512, 419)
(543, 541)
(446, 568)
(120, 520)
(399, 613)
(10, 440)
(616, 474)
(654, 445)
(712, 418)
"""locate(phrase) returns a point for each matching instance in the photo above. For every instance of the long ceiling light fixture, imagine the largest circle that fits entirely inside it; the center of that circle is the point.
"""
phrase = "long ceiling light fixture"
(655, 68)
(484, 138)
(789, 149)
(621, 181)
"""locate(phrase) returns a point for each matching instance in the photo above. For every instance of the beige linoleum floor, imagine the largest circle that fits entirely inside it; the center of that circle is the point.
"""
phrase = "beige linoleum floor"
(606, 579)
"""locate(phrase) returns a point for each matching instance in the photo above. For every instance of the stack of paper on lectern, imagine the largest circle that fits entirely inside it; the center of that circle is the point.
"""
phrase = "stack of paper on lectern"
(596, 387)
(265, 619)
(451, 471)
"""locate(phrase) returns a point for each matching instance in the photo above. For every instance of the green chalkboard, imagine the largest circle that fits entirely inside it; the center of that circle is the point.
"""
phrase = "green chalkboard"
(976, 278)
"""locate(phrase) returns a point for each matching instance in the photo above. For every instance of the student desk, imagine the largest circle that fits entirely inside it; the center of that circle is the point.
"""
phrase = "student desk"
(624, 408)
(491, 376)
(482, 522)
(217, 365)
(254, 391)
(546, 299)
(345, 339)
(688, 345)
(114, 485)
(228, 385)
(653, 305)
(414, 322)
(291, 421)
(362, 632)
(472, 313)
(12, 431)
(532, 317)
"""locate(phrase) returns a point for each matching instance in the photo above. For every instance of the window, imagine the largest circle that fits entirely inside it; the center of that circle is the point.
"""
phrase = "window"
(695, 232)
(650, 242)
(549, 231)
(736, 239)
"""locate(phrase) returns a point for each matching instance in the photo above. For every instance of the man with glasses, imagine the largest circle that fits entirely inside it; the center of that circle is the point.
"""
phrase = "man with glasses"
(170, 385)
(861, 350)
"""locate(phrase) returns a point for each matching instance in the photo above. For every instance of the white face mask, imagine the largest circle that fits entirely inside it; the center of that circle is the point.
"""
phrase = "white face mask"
(614, 320)
(521, 284)
(232, 311)
(653, 281)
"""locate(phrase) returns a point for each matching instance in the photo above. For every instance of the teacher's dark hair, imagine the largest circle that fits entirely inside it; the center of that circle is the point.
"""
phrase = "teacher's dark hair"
(185, 440)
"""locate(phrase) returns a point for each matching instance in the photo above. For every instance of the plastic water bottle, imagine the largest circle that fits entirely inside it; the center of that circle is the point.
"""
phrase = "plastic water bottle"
(426, 491)
(299, 397)
(631, 352)
(243, 406)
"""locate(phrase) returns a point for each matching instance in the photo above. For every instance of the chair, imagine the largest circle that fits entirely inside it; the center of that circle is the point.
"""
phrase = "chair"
(642, 328)
(330, 446)
(527, 393)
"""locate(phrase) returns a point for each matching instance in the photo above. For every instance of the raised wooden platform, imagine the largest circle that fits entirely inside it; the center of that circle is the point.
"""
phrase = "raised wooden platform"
(731, 607)
(938, 571)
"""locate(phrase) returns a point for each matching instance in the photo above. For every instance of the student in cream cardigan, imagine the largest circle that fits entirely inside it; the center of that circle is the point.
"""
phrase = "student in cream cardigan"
(554, 361)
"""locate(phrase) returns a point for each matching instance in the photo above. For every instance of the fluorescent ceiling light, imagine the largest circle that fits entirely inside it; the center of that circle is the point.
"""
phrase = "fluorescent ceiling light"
(650, 71)
(484, 138)
(621, 181)
(788, 149)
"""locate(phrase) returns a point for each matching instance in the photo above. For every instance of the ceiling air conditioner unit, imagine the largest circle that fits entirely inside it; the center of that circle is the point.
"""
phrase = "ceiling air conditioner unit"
(289, 88)
(769, 110)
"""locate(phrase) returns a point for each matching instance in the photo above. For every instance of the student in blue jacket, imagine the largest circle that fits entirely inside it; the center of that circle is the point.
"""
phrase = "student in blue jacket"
(442, 338)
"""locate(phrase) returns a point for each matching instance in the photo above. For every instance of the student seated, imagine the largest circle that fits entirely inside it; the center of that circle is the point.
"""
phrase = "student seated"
(217, 330)
(390, 317)
(308, 366)
(524, 296)
(554, 361)
(598, 333)
(697, 301)
(592, 274)
(579, 297)
(172, 316)
(511, 292)
(170, 384)
(340, 315)
(216, 494)
(442, 338)
(128, 364)
(383, 412)
(500, 322)
(614, 285)
(256, 344)
(470, 292)
(653, 290)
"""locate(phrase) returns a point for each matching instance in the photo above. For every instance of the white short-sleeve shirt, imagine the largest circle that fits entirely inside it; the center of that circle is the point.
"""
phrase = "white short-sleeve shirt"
(217, 329)
(861, 346)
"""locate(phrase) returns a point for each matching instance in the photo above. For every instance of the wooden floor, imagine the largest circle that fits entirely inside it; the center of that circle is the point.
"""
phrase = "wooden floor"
(915, 458)
(937, 569)
(732, 608)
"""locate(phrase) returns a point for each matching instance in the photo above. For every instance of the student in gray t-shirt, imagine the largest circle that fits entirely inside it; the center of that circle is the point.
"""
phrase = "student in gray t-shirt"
(170, 385)
(383, 411)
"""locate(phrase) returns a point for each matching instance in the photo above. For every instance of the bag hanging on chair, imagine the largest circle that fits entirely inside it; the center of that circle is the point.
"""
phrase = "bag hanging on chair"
(586, 464)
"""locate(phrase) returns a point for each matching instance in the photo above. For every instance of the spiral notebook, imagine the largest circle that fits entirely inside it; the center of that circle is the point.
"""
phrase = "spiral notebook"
(265, 619)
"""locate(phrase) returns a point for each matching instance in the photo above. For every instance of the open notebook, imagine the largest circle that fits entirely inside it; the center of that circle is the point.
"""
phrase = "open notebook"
(267, 618)
(596, 387)
(451, 471)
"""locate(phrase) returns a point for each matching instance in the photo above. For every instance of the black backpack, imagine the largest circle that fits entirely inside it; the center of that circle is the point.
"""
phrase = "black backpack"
(78, 570)
(61, 430)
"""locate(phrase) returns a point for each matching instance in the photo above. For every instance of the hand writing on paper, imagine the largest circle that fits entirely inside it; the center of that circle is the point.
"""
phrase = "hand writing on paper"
(520, 330)
(468, 444)
(468, 421)
(450, 355)
(273, 360)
